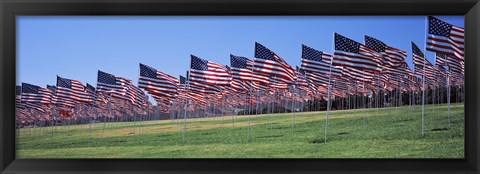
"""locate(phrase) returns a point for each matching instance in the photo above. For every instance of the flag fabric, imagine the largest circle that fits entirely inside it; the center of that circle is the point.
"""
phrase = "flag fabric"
(91, 92)
(53, 90)
(270, 64)
(35, 94)
(358, 75)
(157, 83)
(445, 38)
(314, 61)
(68, 89)
(275, 83)
(301, 80)
(136, 95)
(418, 62)
(453, 64)
(353, 54)
(318, 79)
(242, 68)
(18, 94)
(402, 70)
(207, 72)
(392, 57)
(110, 84)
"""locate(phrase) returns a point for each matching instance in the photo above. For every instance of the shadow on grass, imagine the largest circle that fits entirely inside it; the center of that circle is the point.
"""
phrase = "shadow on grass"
(318, 141)
(439, 129)
(271, 136)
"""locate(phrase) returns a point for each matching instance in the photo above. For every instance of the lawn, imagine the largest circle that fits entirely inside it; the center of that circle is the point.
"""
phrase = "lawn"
(369, 133)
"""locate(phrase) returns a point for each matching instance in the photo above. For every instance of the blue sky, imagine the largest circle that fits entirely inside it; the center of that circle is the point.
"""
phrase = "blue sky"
(76, 47)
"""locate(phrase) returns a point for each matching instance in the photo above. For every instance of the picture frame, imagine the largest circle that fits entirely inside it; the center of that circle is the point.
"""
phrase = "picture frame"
(10, 9)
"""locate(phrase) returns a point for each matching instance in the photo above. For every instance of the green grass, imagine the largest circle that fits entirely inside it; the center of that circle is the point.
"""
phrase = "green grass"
(389, 133)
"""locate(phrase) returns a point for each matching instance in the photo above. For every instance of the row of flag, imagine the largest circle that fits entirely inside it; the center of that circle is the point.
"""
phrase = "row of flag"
(353, 67)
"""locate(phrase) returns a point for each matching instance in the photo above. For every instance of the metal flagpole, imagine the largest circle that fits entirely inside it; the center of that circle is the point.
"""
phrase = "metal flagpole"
(448, 96)
(293, 111)
(328, 90)
(423, 80)
(363, 101)
(186, 106)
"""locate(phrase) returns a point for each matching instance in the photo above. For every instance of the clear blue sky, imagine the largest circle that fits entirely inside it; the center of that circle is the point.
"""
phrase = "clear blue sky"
(76, 47)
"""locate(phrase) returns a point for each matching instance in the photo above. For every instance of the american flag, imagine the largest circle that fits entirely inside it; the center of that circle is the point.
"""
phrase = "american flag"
(301, 80)
(182, 87)
(392, 57)
(453, 64)
(135, 95)
(203, 88)
(314, 61)
(207, 72)
(91, 92)
(242, 68)
(108, 83)
(18, 94)
(99, 99)
(317, 78)
(275, 83)
(18, 98)
(401, 70)
(353, 54)
(68, 89)
(358, 75)
(418, 62)
(157, 83)
(270, 64)
(239, 85)
(53, 89)
(36, 94)
(445, 38)
(341, 84)
(196, 91)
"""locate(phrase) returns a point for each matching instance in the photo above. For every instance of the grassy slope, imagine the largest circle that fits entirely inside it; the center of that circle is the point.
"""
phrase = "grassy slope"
(389, 133)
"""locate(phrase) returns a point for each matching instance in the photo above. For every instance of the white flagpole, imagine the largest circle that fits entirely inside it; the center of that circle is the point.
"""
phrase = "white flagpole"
(363, 101)
(186, 105)
(423, 79)
(448, 96)
(328, 89)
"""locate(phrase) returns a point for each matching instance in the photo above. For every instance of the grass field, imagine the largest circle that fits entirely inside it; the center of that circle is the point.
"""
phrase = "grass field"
(389, 133)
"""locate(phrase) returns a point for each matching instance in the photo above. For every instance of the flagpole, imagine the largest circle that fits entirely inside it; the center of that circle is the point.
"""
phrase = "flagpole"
(448, 96)
(363, 101)
(423, 79)
(186, 104)
(328, 89)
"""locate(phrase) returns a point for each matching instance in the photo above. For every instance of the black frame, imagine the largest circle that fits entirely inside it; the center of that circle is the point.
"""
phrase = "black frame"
(10, 8)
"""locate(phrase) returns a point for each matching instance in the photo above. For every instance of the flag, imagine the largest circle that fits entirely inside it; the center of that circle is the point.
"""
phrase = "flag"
(208, 72)
(108, 83)
(270, 64)
(453, 64)
(402, 70)
(275, 83)
(392, 57)
(135, 95)
(35, 94)
(68, 89)
(319, 79)
(157, 83)
(301, 80)
(358, 75)
(418, 62)
(314, 61)
(353, 54)
(445, 38)
(242, 69)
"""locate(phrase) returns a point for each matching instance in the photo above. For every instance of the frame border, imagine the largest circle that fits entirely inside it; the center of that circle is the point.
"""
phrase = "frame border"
(9, 9)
